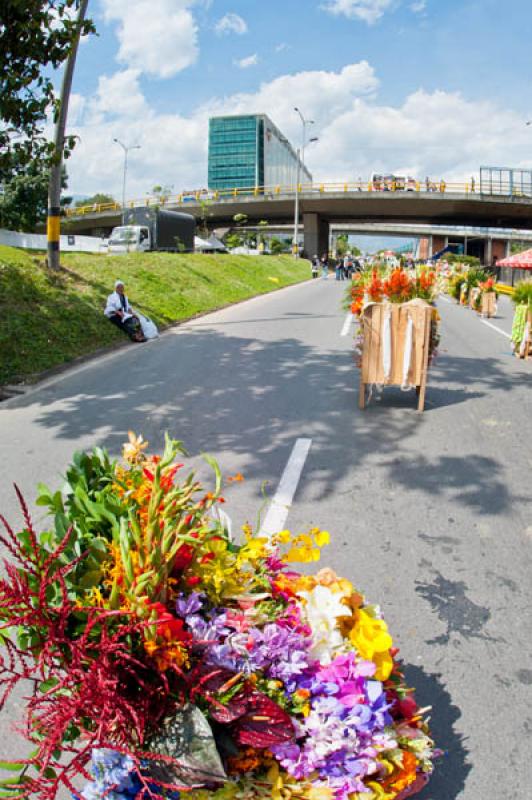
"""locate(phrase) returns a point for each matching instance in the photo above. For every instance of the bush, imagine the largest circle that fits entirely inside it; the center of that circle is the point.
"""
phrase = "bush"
(523, 293)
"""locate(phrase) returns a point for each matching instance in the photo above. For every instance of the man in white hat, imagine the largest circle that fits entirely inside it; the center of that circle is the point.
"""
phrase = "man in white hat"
(119, 312)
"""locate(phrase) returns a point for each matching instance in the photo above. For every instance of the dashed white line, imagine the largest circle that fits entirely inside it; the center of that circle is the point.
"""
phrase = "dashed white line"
(347, 324)
(282, 500)
(495, 328)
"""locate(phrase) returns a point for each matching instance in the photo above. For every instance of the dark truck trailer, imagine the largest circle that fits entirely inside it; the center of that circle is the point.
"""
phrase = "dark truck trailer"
(169, 230)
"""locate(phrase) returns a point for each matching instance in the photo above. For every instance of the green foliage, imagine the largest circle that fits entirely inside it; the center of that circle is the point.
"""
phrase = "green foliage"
(35, 39)
(523, 293)
(276, 246)
(91, 506)
(49, 318)
(342, 244)
(233, 240)
(98, 199)
(468, 261)
(24, 201)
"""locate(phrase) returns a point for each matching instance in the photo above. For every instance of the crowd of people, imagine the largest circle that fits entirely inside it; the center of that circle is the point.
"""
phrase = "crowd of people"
(344, 266)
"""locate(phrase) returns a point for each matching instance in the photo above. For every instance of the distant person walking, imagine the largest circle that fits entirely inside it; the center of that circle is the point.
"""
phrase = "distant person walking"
(339, 269)
(315, 266)
(324, 266)
(119, 312)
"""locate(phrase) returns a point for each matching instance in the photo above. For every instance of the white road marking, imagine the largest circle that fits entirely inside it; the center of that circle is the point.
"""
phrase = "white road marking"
(496, 328)
(282, 500)
(347, 324)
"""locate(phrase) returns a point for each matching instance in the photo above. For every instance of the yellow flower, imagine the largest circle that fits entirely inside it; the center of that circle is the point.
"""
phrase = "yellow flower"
(371, 638)
(320, 793)
(321, 537)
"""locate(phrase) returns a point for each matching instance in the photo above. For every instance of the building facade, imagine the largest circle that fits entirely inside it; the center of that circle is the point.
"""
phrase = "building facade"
(250, 152)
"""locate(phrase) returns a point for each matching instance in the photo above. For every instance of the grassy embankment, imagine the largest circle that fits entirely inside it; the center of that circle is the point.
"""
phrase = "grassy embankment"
(48, 319)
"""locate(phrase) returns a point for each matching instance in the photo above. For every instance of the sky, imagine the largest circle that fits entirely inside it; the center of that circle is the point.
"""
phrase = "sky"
(417, 87)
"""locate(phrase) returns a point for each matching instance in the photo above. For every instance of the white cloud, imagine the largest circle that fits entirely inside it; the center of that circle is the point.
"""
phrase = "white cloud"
(245, 63)
(231, 23)
(367, 10)
(118, 95)
(158, 37)
(357, 134)
(418, 7)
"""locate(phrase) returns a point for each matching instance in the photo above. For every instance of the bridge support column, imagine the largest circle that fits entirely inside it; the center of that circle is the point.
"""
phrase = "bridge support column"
(316, 235)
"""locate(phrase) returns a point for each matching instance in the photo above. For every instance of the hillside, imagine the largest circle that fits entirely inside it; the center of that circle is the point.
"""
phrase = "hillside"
(48, 319)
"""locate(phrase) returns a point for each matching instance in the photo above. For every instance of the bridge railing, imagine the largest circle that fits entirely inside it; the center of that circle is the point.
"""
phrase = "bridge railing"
(207, 196)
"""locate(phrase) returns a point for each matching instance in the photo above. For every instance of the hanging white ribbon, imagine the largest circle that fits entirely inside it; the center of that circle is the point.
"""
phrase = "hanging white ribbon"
(407, 355)
(525, 340)
(387, 344)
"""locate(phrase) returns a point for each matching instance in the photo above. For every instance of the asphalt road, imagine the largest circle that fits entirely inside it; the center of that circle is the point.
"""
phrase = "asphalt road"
(430, 514)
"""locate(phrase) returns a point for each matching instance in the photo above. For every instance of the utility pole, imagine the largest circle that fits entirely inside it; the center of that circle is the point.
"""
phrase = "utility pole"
(295, 246)
(126, 151)
(53, 226)
(304, 122)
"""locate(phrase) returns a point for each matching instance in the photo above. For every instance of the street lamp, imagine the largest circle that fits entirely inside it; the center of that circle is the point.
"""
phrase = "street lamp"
(126, 151)
(304, 122)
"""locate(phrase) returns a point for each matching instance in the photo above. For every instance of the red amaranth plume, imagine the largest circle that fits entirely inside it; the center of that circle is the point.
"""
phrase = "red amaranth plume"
(92, 685)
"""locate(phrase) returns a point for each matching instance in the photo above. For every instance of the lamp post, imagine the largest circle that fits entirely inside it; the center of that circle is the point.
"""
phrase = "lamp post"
(304, 123)
(126, 151)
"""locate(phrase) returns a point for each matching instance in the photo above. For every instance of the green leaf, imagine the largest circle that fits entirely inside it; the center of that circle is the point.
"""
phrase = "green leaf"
(90, 579)
(211, 461)
(11, 766)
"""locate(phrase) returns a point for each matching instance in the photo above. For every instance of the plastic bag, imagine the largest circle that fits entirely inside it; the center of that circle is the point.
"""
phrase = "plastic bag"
(149, 328)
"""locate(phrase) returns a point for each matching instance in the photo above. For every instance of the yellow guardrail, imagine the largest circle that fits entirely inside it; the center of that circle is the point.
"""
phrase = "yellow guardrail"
(207, 196)
(502, 288)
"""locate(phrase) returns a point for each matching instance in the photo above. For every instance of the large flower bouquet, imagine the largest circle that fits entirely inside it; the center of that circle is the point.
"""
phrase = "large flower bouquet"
(165, 659)
(392, 285)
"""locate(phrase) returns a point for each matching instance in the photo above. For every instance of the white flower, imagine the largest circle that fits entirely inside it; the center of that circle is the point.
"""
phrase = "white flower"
(322, 608)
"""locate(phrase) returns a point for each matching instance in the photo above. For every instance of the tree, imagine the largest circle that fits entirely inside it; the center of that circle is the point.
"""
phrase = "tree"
(161, 193)
(205, 204)
(277, 246)
(98, 199)
(24, 201)
(35, 38)
(232, 240)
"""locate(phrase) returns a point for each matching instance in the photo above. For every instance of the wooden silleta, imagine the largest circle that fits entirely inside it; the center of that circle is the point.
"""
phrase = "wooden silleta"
(386, 340)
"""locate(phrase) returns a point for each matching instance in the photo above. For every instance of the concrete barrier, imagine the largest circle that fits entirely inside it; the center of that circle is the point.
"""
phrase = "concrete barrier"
(37, 241)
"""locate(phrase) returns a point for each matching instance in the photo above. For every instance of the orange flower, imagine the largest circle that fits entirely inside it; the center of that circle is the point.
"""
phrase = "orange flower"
(404, 777)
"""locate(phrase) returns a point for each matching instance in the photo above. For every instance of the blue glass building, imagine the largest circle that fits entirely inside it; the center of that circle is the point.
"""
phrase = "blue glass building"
(249, 152)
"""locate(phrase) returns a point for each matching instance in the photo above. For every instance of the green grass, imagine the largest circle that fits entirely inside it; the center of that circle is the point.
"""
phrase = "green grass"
(48, 319)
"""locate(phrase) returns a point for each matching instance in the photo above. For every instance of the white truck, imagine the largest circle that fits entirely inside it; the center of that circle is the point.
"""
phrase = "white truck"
(148, 229)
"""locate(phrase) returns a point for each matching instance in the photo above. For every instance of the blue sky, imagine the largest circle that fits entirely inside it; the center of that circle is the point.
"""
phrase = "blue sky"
(394, 85)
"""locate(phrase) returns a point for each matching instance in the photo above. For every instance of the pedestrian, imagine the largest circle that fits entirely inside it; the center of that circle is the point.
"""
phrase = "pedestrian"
(315, 266)
(349, 267)
(339, 269)
(119, 312)
(324, 266)
(472, 183)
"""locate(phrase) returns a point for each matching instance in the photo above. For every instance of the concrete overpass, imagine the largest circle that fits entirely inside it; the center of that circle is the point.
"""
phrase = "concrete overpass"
(323, 205)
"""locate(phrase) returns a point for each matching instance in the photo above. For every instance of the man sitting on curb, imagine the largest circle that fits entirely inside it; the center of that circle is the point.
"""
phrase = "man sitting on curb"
(119, 312)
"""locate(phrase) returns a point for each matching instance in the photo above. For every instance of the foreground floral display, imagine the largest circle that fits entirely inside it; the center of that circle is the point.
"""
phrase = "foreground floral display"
(166, 660)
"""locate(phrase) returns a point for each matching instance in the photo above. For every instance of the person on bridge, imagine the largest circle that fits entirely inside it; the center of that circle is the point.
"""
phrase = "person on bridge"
(119, 312)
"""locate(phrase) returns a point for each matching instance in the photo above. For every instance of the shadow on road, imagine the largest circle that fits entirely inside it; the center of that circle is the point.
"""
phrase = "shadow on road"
(452, 769)
(223, 392)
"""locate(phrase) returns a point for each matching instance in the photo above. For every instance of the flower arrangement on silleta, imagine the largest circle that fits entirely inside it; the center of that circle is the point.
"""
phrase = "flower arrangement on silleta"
(166, 660)
(393, 285)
